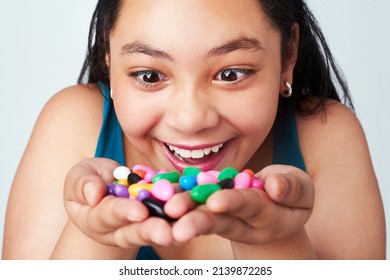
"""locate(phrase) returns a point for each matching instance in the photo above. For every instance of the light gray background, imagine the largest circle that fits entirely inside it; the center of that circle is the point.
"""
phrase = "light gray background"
(43, 43)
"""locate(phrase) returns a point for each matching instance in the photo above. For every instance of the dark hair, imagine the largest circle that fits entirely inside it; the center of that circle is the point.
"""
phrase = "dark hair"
(315, 74)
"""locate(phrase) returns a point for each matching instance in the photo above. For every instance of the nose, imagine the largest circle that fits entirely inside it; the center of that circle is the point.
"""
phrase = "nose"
(191, 111)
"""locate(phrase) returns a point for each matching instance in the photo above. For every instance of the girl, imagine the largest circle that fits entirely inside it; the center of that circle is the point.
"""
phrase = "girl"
(169, 84)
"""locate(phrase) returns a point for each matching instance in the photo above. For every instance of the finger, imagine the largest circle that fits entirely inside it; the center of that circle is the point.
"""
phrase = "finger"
(114, 212)
(290, 190)
(153, 231)
(203, 222)
(86, 182)
(179, 204)
(289, 186)
(243, 204)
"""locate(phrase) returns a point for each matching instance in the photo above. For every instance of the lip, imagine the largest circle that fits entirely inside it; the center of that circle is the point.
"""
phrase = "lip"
(206, 165)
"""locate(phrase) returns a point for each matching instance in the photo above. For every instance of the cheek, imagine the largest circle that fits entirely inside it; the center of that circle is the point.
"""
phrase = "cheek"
(137, 118)
(254, 116)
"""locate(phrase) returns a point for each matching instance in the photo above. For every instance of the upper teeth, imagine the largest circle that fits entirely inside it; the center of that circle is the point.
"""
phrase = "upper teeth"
(195, 153)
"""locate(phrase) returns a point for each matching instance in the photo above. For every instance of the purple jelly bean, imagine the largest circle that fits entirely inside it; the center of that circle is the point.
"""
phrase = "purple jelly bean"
(111, 189)
(122, 191)
(143, 194)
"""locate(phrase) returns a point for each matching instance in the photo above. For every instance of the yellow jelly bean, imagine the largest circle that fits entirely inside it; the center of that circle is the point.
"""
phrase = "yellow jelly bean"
(123, 182)
(135, 188)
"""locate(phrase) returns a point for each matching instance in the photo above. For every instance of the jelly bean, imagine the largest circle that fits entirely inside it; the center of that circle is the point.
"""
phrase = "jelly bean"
(227, 183)
(121, 172)
(227, 172)
(257, 184)
(121, 191)
(111, 189)
(191, 171)
(215, 173)
(123, 182)
(149, 176)
(163, 190)
(133, 178)
(156, 209)
(134, 189)
(143, 194)
(187, 182)
(142, 167)
(250, 172)
(201, 193)
(139, 172)
(205, 178)
(242, 180)
(172, 176)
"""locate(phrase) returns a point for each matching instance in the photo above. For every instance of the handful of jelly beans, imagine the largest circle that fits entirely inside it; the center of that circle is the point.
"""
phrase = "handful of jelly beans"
(154, 188)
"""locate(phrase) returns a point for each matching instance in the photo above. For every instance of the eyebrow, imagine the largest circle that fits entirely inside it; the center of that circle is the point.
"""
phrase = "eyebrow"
(241, 43)
(138, 47)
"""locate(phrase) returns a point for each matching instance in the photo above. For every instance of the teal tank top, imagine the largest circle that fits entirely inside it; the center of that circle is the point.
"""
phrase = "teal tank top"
(286, 145)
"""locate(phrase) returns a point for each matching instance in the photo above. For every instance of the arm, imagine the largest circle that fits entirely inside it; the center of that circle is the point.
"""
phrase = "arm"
(35, 213)
(348, 218)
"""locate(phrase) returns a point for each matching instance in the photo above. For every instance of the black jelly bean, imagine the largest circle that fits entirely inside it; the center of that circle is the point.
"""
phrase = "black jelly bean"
(156, 209)
(227, 183)
(133, 178)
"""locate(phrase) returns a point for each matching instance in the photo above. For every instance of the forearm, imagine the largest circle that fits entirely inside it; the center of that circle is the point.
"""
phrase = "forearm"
(295, 248)
(73, 244)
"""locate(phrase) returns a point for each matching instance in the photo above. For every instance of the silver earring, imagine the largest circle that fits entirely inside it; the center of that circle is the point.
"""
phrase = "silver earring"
(288, 92)
(111, 93)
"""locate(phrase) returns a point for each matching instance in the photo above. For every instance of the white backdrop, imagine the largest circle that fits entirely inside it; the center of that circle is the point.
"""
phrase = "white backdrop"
(43, 43)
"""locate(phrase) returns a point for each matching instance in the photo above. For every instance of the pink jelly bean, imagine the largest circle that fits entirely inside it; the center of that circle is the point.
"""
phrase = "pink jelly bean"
(163, 190)
(142, 167)
(149, 176)
(215, 173)
(242, 181)
(206, 178)
(257, 183)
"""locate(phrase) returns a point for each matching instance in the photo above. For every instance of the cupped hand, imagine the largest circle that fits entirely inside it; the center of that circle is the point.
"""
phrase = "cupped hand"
(109, 220)
(250, 216)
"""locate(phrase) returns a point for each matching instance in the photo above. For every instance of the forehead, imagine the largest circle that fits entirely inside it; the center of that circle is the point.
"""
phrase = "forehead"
(185, 23)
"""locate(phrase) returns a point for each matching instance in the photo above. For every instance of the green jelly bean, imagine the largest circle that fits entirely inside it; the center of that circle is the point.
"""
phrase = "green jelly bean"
(201, 193)
(228, 172)
(172, 176)
(191, 171)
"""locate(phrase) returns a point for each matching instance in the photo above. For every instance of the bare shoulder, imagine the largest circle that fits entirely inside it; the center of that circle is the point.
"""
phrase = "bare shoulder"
(65, 133)
(347, 220)
(76, 110)
(333, 135)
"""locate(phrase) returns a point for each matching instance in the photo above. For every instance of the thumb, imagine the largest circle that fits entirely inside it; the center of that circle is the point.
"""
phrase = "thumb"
(86, 181)
(291, 190)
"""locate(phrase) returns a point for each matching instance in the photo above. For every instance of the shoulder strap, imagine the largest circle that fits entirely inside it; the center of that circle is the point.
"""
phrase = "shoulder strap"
(286, 141)
(110, 142)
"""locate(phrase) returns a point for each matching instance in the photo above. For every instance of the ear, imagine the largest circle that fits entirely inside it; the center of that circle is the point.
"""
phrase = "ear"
(290, 57)
(108, 60)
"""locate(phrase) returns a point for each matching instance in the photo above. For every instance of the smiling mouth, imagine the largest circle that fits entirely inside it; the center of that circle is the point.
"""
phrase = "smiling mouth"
(191, 156)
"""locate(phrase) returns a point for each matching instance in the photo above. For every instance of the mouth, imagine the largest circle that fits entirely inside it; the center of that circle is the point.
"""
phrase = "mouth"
(205, 157)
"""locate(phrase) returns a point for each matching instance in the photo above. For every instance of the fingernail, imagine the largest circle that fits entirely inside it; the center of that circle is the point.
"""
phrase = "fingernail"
(89, 192)
(282, 187)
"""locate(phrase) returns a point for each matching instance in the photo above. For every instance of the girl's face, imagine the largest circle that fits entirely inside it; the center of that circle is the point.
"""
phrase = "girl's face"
(195, 82)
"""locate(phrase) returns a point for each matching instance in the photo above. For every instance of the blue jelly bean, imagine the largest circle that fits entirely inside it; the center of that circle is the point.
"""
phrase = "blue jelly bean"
(187, 183)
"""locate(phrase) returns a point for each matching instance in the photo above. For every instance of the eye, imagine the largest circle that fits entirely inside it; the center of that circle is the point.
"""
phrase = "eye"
(233, 75)
(147, 78)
